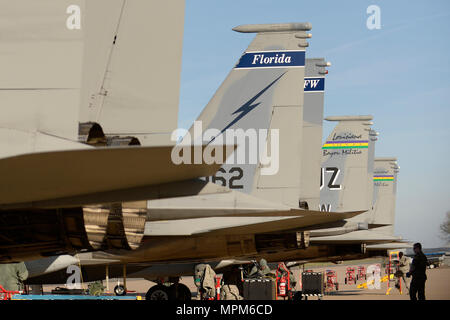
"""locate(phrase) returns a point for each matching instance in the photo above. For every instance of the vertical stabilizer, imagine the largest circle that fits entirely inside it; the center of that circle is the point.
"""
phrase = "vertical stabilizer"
(385, 193)
(132, 67)
(40, 78)
(344, 179)
(311, 163)
(263, 97)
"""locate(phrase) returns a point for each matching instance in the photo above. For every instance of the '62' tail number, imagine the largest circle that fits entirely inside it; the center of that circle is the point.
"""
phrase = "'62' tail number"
(231, 179)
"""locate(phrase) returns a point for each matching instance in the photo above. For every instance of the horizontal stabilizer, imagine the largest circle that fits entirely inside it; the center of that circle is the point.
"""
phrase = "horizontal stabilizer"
(378, 225)
(231, 203)
(362, 236)
(183, 188)
(273, 221)
(53, 175)
(390, 245)
(304, 219)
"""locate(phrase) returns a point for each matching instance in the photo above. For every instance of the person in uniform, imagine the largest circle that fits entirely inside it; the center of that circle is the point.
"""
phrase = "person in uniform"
(418, 273)
(261, 270)
(12, 276)
(403, 268)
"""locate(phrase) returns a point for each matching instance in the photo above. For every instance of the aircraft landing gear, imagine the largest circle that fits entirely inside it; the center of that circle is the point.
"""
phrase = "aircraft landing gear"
(175, 292)
(119, 290)
(158, 292)
(180, 292)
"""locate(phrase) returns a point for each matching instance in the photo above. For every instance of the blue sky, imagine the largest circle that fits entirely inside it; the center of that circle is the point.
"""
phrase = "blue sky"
(399, 74)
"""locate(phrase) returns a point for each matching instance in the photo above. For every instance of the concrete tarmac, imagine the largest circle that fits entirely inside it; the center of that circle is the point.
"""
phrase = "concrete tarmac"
(437, 286)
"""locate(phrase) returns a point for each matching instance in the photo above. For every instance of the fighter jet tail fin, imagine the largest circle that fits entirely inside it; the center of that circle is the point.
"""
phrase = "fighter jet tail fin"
(314, 88)
(125, 79)
(384, 195)
(348, 154)
(259, 107)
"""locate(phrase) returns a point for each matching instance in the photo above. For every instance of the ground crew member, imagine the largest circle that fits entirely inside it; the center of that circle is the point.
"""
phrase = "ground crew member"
(204, 280)
(12, 276)
(418, 273)
(262, 270)
(403, 268)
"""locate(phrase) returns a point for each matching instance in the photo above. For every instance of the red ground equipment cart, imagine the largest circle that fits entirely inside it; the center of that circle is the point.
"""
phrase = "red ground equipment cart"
(332, 282)
(350, 275)
(361, 273)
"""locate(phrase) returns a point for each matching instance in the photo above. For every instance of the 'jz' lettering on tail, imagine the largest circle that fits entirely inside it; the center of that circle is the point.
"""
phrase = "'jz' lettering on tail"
(332, 182)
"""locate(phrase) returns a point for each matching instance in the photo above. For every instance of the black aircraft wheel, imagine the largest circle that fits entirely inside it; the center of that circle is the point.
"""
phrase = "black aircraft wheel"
(180, 292)
(158, 292)
(119, 290)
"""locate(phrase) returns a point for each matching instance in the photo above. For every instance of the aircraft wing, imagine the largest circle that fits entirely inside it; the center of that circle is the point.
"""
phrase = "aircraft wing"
(34, 177)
